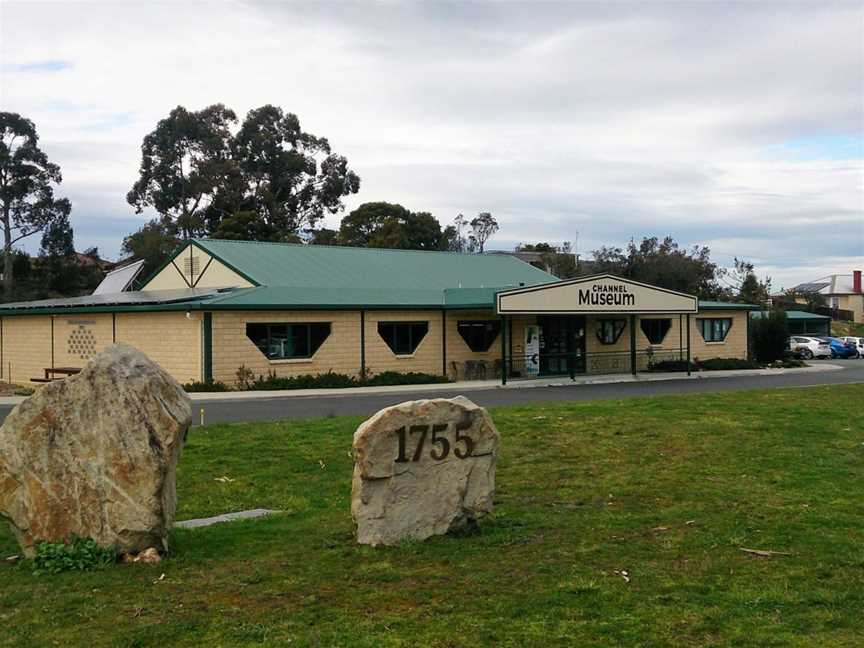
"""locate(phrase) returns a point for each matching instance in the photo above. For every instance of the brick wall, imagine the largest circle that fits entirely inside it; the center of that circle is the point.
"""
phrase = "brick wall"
(26, 347)
(175, 342)
(339, 353)
(77, 338)
(170, 339)
(458, 351)
(426, 358)
(734, 346)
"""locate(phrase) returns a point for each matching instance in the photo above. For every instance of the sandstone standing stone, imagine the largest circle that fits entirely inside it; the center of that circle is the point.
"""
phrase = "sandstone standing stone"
(422, 468)
(95, 455)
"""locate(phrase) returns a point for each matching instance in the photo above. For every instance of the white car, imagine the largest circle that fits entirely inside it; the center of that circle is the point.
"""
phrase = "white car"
(858, 342)
(809, 347)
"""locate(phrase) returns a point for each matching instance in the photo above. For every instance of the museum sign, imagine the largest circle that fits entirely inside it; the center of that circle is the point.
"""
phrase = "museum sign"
(603, 294)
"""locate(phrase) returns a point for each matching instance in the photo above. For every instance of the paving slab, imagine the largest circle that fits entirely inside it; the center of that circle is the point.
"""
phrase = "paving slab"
(225, 517)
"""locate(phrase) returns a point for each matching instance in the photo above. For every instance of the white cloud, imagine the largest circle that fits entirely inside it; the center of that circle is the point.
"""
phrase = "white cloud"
(614, 120)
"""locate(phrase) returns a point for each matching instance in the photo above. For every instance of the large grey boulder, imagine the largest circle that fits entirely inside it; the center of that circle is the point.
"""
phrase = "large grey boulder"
(422, 468)
(95, 455)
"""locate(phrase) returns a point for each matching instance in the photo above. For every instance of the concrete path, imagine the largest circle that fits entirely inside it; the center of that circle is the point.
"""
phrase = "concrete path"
(480, 385)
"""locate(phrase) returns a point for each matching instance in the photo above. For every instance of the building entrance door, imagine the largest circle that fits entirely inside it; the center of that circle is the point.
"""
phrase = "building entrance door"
(562, 345)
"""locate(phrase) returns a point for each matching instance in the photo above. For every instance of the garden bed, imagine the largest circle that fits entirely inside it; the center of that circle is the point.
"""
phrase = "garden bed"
(329, 380)
(724, 364)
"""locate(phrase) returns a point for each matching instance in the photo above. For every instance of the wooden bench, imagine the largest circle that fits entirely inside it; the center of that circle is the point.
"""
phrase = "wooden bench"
(50, 374)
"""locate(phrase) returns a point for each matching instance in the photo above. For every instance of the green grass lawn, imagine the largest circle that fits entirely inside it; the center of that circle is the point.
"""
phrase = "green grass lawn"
(668, 490)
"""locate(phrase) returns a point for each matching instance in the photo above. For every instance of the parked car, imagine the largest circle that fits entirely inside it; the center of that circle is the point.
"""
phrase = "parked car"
(809, 347)
(839, 348)
(857, 342)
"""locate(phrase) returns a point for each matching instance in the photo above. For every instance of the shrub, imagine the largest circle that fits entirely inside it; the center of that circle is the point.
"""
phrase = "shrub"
(410, 378)
(76, 555)
(304, 381)
(723, 364)
(787, 363)
(333, 380)
(206, 386)
(713, 364)
(245, 377)
(770, 335)
(672, 365)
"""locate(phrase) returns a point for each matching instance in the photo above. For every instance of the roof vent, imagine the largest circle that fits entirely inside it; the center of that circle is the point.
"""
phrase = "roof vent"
(192, 266)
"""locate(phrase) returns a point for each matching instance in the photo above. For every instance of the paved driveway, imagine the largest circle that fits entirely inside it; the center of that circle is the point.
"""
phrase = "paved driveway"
(296, 407)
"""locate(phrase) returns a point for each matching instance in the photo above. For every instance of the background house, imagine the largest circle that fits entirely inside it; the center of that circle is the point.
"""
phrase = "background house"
(842, 294)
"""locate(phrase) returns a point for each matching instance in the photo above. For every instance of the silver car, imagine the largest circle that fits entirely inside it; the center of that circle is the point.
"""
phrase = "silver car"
(809, 347)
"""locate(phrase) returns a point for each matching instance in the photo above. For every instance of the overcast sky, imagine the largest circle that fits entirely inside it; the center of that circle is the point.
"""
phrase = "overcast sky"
(735, 125)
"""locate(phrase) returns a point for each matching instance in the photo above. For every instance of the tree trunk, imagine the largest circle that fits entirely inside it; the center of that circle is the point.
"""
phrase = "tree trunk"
(7, 257)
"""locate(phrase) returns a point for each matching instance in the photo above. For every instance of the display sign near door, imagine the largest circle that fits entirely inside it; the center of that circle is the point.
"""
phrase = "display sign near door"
(532, 349)
(598, 294)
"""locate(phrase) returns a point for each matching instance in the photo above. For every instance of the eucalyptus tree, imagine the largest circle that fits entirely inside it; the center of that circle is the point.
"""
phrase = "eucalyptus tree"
(388, 225)
(27, 180)
(291, 178)
(483, 226)
(185, 164)
(266, 179)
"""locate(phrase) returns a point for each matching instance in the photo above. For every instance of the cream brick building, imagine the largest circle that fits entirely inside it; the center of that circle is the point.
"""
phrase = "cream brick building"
(218, 306)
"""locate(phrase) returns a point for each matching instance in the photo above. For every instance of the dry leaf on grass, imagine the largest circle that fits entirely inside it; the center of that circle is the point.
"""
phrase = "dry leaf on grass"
(623, 573)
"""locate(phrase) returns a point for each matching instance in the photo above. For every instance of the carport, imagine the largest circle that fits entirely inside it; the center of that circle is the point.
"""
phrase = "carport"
(803, 323)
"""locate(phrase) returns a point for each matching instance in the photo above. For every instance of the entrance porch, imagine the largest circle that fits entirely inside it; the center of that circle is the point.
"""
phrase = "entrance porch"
(592, 325)
(571, 345)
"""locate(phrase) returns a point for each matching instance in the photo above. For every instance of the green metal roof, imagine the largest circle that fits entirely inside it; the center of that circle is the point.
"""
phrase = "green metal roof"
(294, 276)
(322, 266)
(794, 315)
(718, 305)
(275, 297)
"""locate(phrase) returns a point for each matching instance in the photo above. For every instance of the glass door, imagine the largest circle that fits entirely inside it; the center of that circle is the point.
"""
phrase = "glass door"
(562, 345)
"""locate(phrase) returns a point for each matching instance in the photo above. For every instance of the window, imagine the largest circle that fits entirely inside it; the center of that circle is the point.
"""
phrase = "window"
(479, 335)
(608, 331)
(403, 338)
(715, 329)
(288, 341)
(655, 329)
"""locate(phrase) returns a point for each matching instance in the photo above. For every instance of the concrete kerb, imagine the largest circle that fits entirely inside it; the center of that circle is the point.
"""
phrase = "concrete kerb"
(467, 386)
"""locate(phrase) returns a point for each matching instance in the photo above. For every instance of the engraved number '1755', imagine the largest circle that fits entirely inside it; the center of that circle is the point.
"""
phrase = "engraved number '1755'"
(463, 444)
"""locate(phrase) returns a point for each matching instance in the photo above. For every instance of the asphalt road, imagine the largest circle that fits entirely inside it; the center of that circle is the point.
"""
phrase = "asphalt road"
(298, 407)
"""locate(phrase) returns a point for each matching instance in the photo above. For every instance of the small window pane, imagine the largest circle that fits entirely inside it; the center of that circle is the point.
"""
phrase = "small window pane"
(655, 329)
(287, 341)
(403, 338)
(258, 334)
(479, 335)
(608, 331)
(715, 329)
